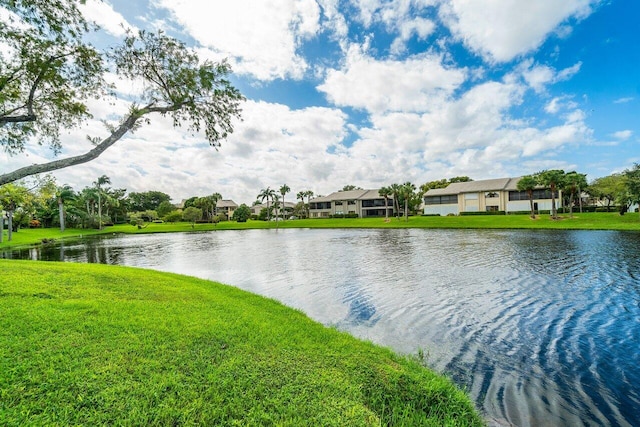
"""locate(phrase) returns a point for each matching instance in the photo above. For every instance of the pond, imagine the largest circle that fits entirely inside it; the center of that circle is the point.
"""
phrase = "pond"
(541, 327)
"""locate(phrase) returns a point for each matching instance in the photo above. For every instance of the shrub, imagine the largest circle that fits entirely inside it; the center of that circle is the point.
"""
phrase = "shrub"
(34, 223)
(174, 216)
(482, 213)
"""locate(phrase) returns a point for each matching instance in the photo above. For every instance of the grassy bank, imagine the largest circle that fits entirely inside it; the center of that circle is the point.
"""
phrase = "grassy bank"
(95, 345)
(584, 221)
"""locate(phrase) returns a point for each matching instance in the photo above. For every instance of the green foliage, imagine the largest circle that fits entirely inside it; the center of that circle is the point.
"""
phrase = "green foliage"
(45, 56)
(173, 216)
(483, 213)
(147, 200)
(88, 344)
(192, 214)
(632, 183)
(242, 214)
(609, 189)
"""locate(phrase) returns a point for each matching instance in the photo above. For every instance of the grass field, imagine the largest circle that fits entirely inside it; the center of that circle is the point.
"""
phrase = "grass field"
(584, 221)
(102, 345)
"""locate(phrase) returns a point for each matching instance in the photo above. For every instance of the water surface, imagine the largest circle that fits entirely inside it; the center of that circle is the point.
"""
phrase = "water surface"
(541, 327)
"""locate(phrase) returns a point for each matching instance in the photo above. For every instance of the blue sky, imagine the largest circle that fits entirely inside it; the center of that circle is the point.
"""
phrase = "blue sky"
(371, 92)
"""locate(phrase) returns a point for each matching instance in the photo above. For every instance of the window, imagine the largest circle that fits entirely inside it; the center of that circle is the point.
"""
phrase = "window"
(491, 195)
(351, 202)
(492, 209)
(471, 196)
(441, 200)
(320, 205)
(523, 195)
(338, 203)
(372, 203)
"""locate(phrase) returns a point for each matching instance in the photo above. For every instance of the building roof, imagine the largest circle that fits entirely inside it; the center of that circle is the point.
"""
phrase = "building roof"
(508, 184)
(226, 204)
(350, 195)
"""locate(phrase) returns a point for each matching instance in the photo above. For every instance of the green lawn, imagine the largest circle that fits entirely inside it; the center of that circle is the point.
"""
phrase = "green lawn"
(87, 344)
(584, 221)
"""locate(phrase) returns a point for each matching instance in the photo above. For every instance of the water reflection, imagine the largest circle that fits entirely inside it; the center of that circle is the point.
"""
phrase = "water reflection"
(541, 327)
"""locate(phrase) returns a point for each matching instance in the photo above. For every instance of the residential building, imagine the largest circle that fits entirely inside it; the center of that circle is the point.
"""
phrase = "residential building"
(363, 203)
(288, 208)
(483, 196)
(226, 207)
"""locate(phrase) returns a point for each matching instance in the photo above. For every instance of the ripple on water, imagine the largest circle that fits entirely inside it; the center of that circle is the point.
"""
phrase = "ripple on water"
(541, 327)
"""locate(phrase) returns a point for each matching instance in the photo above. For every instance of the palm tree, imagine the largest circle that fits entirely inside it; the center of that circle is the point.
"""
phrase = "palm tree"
(215, 198)
(573, 183)
(407, 192)
(396, 190)
(554, 179)
(385, 192)
(63, 194)
(528, 183)
(104, 179)
(300, 196)
(309, 195)
(267, 194)
(284, 190)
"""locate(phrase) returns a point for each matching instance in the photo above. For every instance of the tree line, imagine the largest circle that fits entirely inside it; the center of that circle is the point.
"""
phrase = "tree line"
(41, 202)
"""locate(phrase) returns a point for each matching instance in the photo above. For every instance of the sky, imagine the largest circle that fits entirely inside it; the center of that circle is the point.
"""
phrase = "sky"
(374, 92)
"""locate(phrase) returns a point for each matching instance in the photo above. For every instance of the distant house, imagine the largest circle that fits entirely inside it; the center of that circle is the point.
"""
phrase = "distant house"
(363, 203)
(288, 208)
(226, 207)
(483, 196)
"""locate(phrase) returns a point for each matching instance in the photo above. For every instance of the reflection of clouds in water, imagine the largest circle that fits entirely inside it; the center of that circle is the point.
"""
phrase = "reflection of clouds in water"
(361, 310)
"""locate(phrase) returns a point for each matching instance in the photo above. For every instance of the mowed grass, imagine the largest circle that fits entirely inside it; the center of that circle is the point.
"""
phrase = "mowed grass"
(102, 345)
(579, 221)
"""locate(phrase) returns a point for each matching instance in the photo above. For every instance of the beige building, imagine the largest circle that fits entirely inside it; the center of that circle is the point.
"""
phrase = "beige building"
(227, 207)
(484, 196)
(363, 203)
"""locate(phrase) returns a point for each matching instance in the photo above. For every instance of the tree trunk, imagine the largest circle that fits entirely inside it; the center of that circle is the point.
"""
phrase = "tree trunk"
(1, 226)
(61, 214)
(406, 212)
(99, 212)
(571, 206)
(533, 213)
(10, 225)
(554, 212)
(386, 210)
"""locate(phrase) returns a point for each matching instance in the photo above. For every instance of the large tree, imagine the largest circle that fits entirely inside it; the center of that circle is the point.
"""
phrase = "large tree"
(12, 196)
(48, 73)
(150, 200)
(632, 183)
(609, 189)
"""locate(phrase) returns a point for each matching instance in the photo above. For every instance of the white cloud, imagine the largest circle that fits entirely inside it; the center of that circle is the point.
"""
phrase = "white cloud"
(419, 83)
(500, 30)
(419, 27)
(262, 38)
(622, 135)
(623, 100)
(538, 77)
(102, 13)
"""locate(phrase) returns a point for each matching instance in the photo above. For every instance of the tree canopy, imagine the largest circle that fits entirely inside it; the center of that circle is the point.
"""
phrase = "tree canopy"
(48, 73)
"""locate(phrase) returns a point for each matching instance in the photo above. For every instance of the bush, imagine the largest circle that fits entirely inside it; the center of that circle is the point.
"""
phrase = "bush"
(34, 223)
(482, 213)
(349, 215)
(174, 216)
